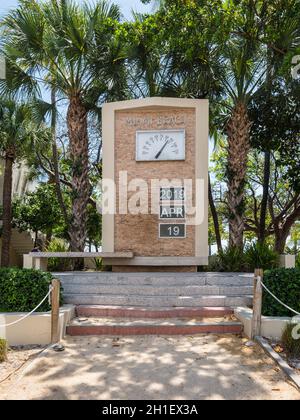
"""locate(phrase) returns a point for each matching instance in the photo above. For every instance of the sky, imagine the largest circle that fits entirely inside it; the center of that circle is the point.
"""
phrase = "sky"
(126, 6)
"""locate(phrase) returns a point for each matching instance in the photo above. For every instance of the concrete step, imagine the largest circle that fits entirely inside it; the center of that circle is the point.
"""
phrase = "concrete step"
(155, 279)
(123, 326)
(158, 301)
(149, 313)
(146, 290)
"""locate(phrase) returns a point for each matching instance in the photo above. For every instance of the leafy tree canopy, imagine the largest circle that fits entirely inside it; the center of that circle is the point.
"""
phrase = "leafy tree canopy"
(38, 211)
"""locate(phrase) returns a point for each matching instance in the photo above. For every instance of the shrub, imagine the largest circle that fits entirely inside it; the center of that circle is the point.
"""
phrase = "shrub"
(58, 264)
(298, 261)
(259, 255)
(231, 259)
(3, 350)
(290, 344)
(22, 290)
(99, 264)
(284, 284)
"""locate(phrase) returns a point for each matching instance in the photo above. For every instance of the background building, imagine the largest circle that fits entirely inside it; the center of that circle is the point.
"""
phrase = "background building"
(22, 242)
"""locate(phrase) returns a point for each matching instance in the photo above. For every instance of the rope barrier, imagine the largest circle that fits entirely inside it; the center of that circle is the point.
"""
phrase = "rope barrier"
(276, 298)
(30, 313)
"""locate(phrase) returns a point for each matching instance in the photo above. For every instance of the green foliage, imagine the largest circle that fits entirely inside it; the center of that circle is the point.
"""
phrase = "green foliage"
(298, 261)
(231, 259)
(290, 344)
(16, 128)
(280, 99)
(254, 256)
(58, 264)
(195, 48)
(3, 350)
(67, 44)
(22, 290)
(259, 255)
(285, 285)
(98, 264)
(94, 226)
(38, 211)
(295, 239)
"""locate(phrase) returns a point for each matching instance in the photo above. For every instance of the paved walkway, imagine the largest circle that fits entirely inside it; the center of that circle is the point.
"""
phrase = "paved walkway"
(200, 367)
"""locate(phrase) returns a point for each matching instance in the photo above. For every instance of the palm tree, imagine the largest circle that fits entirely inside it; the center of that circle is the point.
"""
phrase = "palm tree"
(73, 50)
(226, 46)
(147, 68)
(259, 42)
(226, 68)
(16, 131)
(243, 73)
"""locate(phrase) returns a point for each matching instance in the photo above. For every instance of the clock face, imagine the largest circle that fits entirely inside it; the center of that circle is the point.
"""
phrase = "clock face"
(160, 145)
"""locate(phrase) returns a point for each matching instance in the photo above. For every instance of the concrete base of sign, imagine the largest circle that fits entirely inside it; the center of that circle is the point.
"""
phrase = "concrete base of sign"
(39, 260)
(156, 264)
(36, 329)
(142, 269)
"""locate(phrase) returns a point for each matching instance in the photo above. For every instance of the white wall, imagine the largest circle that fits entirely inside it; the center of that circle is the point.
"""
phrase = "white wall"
(20, 180)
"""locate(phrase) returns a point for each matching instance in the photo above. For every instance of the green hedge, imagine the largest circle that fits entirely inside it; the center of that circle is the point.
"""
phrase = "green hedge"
(22, 290)
(285, 284)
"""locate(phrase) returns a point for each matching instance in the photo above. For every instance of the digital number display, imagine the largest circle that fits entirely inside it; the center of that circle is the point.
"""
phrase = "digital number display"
(172, 194)
(172, 230)
(172, 212)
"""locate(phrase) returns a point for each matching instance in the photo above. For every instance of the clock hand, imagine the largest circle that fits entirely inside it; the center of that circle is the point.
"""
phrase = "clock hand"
(162, 149)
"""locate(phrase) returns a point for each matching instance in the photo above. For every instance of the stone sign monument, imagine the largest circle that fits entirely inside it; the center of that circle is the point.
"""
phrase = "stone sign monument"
(155, 183)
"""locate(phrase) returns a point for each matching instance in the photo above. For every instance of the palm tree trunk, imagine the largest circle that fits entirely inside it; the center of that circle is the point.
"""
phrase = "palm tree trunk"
(238, 129)
(7, 207)
(78, 135)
